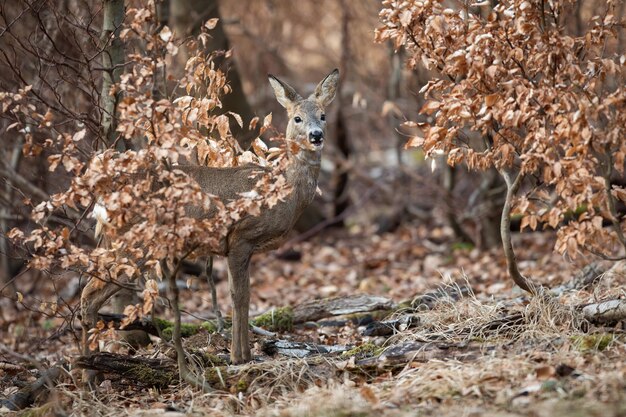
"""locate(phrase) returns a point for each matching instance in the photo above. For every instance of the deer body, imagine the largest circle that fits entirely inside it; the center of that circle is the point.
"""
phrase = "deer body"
(252, 234)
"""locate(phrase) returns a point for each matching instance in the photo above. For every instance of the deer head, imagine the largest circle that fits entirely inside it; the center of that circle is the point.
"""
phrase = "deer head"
(307, 120)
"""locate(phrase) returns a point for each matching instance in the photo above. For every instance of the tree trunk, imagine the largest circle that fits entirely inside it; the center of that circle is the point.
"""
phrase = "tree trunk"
(5, 266)
(112, 60)
(448, 180)
(489, 198)
(187, 17)
(340, 199)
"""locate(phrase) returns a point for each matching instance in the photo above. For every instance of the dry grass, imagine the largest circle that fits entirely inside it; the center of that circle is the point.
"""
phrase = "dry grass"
(522, 350)
(528, 357)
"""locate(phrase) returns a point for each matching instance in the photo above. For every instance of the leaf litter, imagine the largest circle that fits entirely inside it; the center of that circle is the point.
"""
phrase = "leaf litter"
(479, 346)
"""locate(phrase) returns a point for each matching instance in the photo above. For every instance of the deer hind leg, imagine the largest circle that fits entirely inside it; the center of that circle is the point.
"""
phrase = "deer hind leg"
(239, 282)
(94, 295)
(134, 338)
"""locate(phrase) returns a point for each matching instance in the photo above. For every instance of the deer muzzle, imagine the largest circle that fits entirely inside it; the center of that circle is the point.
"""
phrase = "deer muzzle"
(316, 137)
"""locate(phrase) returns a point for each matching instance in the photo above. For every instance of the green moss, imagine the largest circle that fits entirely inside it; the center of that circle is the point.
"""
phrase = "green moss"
(242, 385)
(162, 324)
(591, 342)
(151, 376)
(365, 350)
(209, 326)
(275, 320)
(186, 329)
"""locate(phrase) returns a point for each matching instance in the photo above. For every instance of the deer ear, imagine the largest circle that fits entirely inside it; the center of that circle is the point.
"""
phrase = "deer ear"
(285, 94)
(326, 89)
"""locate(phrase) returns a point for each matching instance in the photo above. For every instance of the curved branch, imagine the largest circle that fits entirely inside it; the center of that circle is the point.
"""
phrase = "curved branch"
(512, 186)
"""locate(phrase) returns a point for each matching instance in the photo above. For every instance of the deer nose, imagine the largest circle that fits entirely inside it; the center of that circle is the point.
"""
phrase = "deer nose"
(316, 136)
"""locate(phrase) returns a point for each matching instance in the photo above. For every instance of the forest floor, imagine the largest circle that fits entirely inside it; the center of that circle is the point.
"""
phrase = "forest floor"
(474, 346)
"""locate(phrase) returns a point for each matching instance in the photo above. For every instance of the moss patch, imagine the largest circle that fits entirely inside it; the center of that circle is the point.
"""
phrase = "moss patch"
(209, 326)
(276, 320)
(186, 329)
(365, 350)
(591, 342)
(242, 385)
(150, 376)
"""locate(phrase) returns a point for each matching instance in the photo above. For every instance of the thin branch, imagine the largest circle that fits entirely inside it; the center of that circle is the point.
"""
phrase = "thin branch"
(603, 256)
(184, 372)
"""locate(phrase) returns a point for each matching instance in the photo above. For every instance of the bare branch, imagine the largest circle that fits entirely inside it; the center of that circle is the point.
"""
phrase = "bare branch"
(512, 185)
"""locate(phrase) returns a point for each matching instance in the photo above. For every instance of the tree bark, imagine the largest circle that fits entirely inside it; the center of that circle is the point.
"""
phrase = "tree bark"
(298, 349)
(341, 201)
(112, 59)
(5, 267)
(187, 17)
(149, 371)
(606, 312)
(318, 309)
(448, 179)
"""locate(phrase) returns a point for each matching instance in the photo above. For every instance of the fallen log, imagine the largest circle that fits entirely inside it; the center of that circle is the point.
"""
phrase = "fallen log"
(610, 311)
(337, 306)
(420, 352)
(164, 329)
(157, 372)
(297, 349)
(390, 327)
(26, 396)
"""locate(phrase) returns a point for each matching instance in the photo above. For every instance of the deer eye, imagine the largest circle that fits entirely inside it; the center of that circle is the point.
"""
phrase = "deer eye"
(297, 119)
(323, 117)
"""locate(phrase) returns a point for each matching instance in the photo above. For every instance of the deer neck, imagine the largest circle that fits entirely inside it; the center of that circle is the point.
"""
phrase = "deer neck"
(303, 171)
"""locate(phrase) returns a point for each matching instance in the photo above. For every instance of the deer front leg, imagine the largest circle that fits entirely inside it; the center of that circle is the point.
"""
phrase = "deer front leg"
(239, 282)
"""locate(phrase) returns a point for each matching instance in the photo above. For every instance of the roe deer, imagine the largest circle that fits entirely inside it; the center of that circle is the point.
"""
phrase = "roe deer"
(251, 234)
